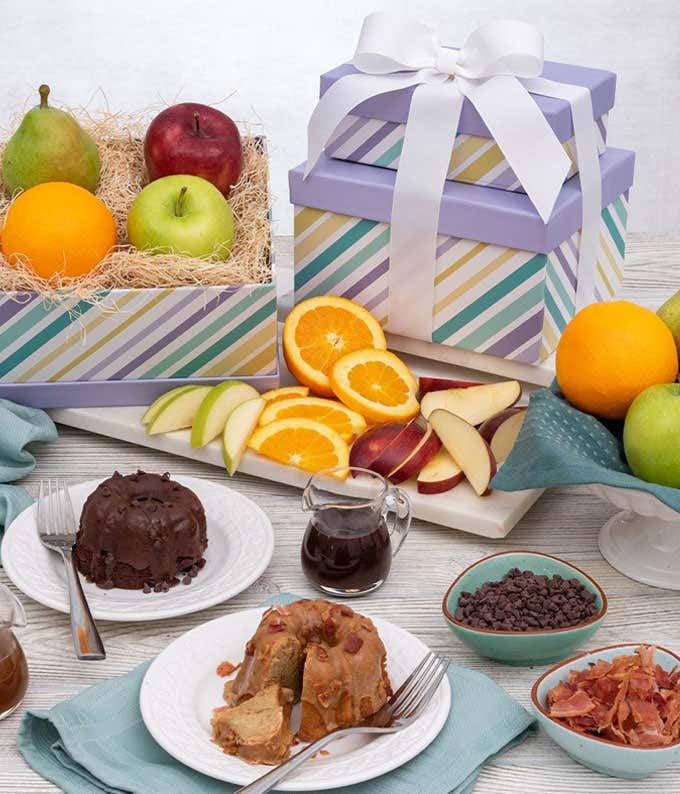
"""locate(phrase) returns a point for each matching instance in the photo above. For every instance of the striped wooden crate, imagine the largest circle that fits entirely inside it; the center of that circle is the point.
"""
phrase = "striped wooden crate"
(490, 299)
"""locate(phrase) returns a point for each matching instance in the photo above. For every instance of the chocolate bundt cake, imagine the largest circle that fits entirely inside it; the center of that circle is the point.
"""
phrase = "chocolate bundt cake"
(329, 656)
(142, 531)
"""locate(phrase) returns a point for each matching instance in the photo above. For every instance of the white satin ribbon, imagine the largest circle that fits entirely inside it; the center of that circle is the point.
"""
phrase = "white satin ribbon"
(490, 70)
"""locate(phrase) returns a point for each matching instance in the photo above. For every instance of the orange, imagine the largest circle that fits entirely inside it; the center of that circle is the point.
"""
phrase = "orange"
(377, 384)
(319, 331)
(346, 422)
(609, 353)
(303, 443)
(57, 227)
(284, 393)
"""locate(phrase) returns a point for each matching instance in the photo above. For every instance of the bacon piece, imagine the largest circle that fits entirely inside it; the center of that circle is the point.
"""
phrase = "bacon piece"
(575, 706)
(593, 671)
(560, 692)
(604, 689)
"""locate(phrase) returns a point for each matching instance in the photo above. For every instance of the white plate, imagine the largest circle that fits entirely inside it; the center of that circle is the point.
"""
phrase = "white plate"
(181, 688)
(240, 547)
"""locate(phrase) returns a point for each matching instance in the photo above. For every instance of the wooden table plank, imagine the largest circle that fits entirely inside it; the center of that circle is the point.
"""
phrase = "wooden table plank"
(564, 522)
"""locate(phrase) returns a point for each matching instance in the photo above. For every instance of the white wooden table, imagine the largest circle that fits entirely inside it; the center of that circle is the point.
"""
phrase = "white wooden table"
(564, 522)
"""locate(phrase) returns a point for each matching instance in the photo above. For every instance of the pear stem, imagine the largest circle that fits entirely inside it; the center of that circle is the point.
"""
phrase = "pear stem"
(180, 201)
(196, 123)
(44, 92)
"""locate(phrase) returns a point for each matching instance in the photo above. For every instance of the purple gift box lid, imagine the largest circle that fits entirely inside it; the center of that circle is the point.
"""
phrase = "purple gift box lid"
(469, 211)
(394, 105)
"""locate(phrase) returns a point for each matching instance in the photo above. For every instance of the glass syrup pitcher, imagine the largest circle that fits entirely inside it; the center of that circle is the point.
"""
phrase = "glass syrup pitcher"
(351, 537)
(13, 667)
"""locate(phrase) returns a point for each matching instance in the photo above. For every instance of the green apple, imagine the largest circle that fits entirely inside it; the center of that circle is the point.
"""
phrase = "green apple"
(182, 214)
(157, 404)
(216, 407)
(240, 426)
(179, 412)
(670, 314)
(651, 435)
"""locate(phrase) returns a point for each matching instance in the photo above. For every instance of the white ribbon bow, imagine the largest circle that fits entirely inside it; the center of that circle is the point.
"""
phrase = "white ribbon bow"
(490, 70)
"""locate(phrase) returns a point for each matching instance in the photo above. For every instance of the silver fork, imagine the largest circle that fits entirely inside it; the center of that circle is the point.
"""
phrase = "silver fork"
(400, 711)
(57, 531)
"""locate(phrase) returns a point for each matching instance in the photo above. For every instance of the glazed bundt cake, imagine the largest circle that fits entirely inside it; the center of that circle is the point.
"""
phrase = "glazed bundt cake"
(142, 531)
(329, 656)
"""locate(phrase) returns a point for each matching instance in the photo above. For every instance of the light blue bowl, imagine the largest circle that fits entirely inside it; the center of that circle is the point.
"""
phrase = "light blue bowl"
(602, 755)
(542, 646)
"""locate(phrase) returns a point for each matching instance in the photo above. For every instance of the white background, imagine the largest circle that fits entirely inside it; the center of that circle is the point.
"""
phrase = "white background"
(261, 62)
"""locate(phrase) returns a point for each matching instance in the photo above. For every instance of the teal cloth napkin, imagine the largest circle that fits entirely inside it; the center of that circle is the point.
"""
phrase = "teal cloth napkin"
(19, 426)
(560, 445)
(97, 742)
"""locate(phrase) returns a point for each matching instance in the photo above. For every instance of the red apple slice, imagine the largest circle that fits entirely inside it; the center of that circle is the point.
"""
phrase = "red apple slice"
(370, 444)
(501, 431)
(467, 447)
(474, 404)
(401, 447)
(426, 384)
(420, 457)
(441, 474)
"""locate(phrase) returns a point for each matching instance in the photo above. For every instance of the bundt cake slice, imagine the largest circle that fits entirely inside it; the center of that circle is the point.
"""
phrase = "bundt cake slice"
(258, 730)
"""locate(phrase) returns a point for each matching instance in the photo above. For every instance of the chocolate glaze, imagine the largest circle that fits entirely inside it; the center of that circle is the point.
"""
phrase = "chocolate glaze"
(141, 531)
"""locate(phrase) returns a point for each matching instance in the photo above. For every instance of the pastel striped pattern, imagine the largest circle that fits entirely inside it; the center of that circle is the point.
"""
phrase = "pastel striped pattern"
(186, 332)
(475, 160)
(494, 300)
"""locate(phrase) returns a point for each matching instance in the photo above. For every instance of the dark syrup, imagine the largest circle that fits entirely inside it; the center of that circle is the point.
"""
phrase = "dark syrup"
(13, 672)
(346, 549)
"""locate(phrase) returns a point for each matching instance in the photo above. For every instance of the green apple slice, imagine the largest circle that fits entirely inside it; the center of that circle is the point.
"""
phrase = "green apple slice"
(179, 412)
(216, 407)
(159, 402)
(240, 426)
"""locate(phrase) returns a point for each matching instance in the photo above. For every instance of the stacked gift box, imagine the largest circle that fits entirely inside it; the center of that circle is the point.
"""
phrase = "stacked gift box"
(505, 279)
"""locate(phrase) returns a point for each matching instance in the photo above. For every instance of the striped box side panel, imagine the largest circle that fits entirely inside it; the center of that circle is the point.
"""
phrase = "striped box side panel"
(474, 160)
(140, 334)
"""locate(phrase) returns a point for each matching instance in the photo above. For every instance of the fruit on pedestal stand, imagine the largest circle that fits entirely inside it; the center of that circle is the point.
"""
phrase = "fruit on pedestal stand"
(58, 228)
(651, 435)
(182, 215)
(238, 429)
(441, 474)
(179, 412)
(216, 407)
(501, 431)
(49, 146)
(191, 138)
(475, 404)
(467, 447)
(159, 402)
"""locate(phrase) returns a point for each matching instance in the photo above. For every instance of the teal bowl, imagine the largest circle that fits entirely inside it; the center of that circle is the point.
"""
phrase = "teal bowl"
(524, 648)
(602, 755)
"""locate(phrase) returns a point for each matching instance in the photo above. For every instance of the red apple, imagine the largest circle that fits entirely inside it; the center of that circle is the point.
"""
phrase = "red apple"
(370, 444)
(401, 447)
(194, 139)
(501, 431)
(428, 447)
(441, 474)
(474, 404)
(467, 447)
(426, 384)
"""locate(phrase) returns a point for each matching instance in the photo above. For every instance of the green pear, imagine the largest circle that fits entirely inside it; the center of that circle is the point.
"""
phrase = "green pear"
(670, 314)
(49, 146)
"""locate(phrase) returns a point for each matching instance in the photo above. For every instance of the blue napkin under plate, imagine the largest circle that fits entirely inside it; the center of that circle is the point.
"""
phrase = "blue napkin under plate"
(560, 445)
(19, 426)
(97, 742)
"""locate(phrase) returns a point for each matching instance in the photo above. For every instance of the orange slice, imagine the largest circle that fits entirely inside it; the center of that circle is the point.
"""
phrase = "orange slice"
(377, 384)
(346, 422)
(319, 331)
(303, 443)
(285, 392)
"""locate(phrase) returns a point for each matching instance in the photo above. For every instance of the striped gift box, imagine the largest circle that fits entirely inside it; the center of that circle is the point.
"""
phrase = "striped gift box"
(133, 343)
(475, 160)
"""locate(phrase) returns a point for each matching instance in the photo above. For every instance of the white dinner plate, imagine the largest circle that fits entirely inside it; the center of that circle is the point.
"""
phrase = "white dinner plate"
(181, 688)
(240, 547)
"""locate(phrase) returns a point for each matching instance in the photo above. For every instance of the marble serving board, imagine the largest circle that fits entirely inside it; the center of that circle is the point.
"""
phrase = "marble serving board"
(492, 516)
